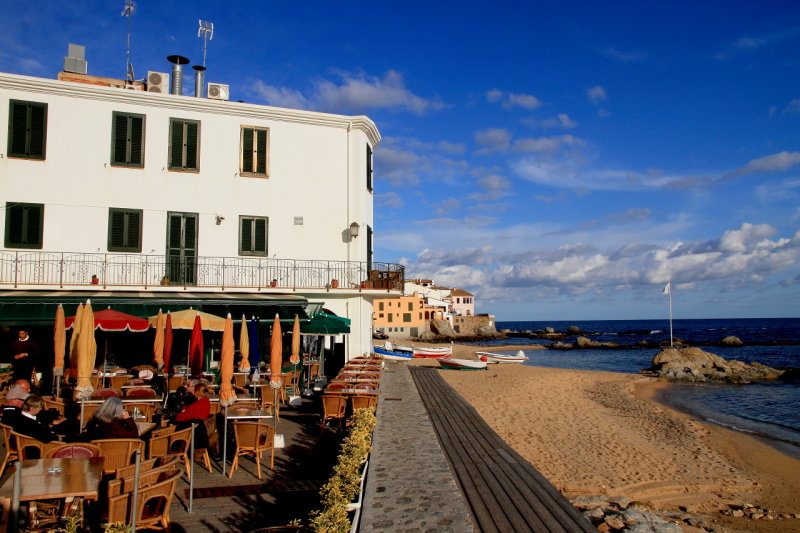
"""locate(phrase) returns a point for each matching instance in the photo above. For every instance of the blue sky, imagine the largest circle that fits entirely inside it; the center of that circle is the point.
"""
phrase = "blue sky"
(560, 162)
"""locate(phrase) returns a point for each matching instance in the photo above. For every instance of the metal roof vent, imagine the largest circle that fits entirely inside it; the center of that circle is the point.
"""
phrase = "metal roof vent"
(199, 76)
(177, 73)
(76, 59)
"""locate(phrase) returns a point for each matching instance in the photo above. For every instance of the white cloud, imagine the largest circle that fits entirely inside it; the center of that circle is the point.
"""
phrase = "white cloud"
(596, 94)
(562, 120)
(493, 139)
(353, 93)
(494, 187)
(389, 199)
(779, 162)
(396, 165)
(793, 107)
(546, 144)
(511, 100)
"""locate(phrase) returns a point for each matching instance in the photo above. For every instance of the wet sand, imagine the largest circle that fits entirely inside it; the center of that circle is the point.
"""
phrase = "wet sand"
(593, 432)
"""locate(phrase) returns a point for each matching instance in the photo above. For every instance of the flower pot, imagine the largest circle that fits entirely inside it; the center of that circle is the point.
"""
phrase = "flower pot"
(273, 283)
(334, 283)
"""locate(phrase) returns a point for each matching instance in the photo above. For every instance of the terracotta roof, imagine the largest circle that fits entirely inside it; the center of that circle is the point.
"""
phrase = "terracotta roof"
(461, 292)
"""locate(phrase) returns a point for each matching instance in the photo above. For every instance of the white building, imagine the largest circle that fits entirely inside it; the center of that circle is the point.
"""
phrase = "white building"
(149, 200)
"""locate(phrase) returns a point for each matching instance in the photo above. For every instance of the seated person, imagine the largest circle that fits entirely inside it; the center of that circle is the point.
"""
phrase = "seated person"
(177, 401)
(151, 379)
(14, 399)
(196, 412)
(27, 424)
(111, 421)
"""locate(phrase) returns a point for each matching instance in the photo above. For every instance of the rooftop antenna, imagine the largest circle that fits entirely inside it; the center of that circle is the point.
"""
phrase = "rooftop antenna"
(127, 11)
(205, 32)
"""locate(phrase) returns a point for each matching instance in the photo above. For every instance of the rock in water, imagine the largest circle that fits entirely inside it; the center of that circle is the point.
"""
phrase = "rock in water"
(694, 364)
(730, 340)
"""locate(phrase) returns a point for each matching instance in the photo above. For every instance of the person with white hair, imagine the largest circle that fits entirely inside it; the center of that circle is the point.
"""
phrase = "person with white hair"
(111, 421)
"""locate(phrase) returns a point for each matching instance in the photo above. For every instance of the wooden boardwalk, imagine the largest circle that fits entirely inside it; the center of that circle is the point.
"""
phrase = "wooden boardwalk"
(502, 490)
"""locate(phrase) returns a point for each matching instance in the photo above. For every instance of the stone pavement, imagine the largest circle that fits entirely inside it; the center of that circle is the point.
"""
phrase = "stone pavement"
(410, 487)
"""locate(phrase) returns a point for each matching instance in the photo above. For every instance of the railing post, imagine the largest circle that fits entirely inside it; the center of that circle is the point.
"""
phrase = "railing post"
(223, 273)
(105, 270)
(16, 268)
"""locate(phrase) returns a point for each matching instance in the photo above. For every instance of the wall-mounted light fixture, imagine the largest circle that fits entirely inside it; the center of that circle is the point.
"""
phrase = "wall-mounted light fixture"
(354, 230)
(219, 219)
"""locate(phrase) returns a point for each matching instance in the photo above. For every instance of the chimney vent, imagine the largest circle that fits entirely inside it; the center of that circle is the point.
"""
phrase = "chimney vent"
(75, 61)
(199, 80)
(177, 73)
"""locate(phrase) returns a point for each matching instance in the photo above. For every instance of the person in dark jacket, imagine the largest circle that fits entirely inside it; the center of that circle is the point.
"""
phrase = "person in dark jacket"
(196, 412)
(27, 424)
(25, 353)
(111, 421)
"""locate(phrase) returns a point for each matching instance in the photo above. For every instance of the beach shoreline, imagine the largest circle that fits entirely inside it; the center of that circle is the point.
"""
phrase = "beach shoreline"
(604, 433)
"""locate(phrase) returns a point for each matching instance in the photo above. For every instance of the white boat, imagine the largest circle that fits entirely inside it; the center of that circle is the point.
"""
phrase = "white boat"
(433, 352)
(461, 364)
(490, 357)
(391, 355)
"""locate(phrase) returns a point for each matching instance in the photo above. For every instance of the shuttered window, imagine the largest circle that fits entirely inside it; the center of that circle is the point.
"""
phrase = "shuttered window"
(124, 230)
(27, 129)
(24, 225)
(184, 144)
(369, 167)
(254, 143)
(127, 140)
(253, 235)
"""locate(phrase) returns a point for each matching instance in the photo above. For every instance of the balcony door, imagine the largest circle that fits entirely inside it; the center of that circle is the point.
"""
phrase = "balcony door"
(182, 248)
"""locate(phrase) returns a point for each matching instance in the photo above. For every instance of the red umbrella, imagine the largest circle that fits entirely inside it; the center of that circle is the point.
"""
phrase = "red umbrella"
(168, 344)
(196, 348)
(111, 320)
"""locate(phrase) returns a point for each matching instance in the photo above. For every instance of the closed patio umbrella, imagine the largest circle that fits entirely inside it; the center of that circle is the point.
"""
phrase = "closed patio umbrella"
(59, 344)
(226, 393)
(86, 347)
(168, 343)
(196, 348)
(295, 357)
(244, 347)
(158, 344)
(73, 354)
(255, 347)
(275, 354)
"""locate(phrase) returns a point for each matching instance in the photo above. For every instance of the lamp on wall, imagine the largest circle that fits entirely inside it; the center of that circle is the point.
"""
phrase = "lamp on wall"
(354, 230)
(219, 219)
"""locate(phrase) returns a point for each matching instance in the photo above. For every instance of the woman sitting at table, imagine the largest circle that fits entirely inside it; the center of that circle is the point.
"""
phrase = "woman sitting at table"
(27, 424)
(196, 412)
(111, 421)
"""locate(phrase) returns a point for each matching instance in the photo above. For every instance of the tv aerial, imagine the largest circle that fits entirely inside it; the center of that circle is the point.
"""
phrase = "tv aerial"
(127, 11)
(206, 32)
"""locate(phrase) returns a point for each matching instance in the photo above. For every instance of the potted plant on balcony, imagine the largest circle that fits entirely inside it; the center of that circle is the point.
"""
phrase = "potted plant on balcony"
(335, 283)
(273, 283)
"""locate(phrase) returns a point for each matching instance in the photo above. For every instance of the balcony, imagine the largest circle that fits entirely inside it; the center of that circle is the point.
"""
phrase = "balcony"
(68, 270)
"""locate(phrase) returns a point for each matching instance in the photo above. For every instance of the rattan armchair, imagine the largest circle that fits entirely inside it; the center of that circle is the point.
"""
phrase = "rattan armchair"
(175, 443)
(152, 505)
(118, 452)
(364, 401)
(10, 445)
(146, 409)
(146, 464)
(333, 407)
(54, 403)
(25, 446)
(253, 438)
(267, 395)
(116, 382)
(174, 382)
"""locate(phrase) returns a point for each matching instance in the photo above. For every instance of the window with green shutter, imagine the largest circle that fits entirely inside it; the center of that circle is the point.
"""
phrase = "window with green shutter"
(255, 142)
(24, 225)
(253, 235)
(27, 129)
(369, 167)
(184, 144)
(124, 230)
(127, 139)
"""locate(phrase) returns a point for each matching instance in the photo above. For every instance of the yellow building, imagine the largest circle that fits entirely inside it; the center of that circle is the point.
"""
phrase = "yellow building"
(402, 317)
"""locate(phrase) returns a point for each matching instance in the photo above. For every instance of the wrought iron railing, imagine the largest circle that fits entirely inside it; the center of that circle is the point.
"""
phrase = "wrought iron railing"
(64, 269)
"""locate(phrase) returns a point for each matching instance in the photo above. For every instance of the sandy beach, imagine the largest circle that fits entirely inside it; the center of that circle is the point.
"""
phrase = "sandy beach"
(602, 433)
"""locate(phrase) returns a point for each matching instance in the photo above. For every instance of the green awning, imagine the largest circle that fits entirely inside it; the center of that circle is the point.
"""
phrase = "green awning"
(39, 307)
(325, 324)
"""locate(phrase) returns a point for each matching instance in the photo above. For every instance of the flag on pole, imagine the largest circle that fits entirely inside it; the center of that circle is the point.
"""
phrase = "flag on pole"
(667, 288)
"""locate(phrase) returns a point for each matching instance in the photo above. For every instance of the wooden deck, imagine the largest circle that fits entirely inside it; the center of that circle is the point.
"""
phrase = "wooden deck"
(502, 490)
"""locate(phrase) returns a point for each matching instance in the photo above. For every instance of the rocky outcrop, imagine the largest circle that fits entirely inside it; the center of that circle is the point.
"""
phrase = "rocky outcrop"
(583, 343)
(442, 328)
(695, 365)
(730, 340)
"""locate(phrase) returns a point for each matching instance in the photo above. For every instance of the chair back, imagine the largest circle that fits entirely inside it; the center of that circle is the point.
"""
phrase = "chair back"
(364, 402)
(69, 451)
(88, 412)
(179, 441)
(152, 506)
(211, 430)
(116, 382)
(26, 445)
(246, 404)
(8, 439)
(255, 436)
(54, 403)
(333, 406)
(147, 409)
(146, 465)
(118, 452)
(336, 386)
(240, 380)
(140, 392)
(106, 393)
(160, 432)
(314, 371)
(174, 382)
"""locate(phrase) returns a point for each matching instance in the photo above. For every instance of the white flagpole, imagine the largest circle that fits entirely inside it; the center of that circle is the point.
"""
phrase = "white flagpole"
(668, 291)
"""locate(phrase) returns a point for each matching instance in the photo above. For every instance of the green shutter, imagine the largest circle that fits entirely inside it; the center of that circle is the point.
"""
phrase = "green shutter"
(120, 139)
(175, 232)
(260, 241)
(247, 236)
(191, 145)
(116, 230)
(133, 229)
(136, 140)
(18, 129)
(27, 129)
(24, 225)
(261, 150)
(247, 150)
(38, 129)
(176, 144)
(369, 167)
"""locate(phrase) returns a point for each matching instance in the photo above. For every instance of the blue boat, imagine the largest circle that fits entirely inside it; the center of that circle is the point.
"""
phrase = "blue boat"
(391, 354)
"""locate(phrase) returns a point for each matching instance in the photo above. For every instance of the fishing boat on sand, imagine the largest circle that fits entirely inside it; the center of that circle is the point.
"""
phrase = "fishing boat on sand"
(392, 355)
(461, 364)
(433, 352)
(490, 357)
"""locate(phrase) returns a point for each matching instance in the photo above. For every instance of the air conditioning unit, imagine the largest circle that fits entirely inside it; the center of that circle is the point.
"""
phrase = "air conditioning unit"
(218, 91)
(157, 82)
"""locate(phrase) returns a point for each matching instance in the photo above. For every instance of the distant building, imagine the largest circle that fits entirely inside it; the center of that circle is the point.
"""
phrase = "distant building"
(462, 302)
(401, 317)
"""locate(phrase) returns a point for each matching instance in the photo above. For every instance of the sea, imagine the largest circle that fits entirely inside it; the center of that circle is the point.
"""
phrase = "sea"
(769, 410)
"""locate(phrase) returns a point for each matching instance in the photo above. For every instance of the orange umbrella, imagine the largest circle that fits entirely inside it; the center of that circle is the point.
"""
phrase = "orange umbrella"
(275, 354)
(86, 347)
(59, 342)
(226, 394)
(158, 345)
(76, 328)
(295, 357)
(244, 347)
(196, 347)
(168, 343)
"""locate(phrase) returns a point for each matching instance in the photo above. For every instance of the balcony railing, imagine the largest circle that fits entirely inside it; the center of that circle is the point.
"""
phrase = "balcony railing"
(67, 269)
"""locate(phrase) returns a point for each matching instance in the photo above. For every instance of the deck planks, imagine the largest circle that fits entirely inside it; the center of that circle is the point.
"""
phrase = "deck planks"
(502, 490)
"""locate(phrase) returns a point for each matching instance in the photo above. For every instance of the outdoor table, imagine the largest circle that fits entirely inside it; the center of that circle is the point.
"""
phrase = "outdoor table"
(145, 427)
(353, 380)
(351, 391)
(237, 414)
(127, 399)
(215, 399)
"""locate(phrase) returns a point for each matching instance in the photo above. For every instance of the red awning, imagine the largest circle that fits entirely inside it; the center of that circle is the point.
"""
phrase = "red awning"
(110, 320)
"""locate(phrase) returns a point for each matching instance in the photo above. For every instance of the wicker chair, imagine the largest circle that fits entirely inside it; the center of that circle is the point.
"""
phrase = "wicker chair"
(364, 401)
(174, 382)
(88, 412)
(116, 382)
(253, 438)
(140, 392)
(54, 403)
(69, 451)
(175, 443)
(25, 446)
(160, 432)
(106, 393)
(267, 395)
(147, 409)
(146, 465)
(333, 407)
(10, 445)
(152, 506)
(240, 380)
(118, 452)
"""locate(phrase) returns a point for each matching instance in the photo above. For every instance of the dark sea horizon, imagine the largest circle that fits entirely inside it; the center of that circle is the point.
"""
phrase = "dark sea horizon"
(769, 410)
